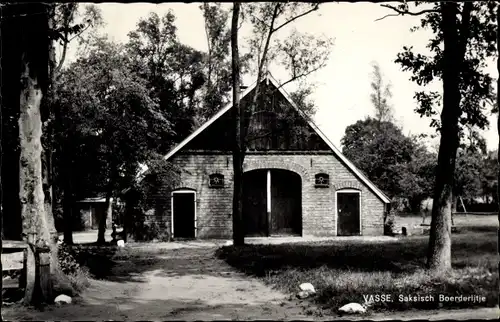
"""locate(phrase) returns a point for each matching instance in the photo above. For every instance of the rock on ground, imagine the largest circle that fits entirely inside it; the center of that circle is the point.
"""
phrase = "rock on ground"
(307, 287)
(62, 299)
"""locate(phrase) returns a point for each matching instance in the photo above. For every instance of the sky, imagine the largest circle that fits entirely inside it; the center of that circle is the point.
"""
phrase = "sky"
(342, 93)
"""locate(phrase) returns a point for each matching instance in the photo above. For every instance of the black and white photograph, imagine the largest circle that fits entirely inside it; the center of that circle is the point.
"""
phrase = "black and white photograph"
(206, 161)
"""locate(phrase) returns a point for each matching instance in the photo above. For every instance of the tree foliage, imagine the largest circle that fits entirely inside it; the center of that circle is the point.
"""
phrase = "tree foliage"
(397, 164)
(172, 70)
(381, 95)
(475, 83)
(468, 175)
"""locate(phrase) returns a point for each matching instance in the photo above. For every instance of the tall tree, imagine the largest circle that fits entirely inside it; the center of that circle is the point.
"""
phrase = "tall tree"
(398, 164)
(174, 72)
(116, 117)
(239, 125)
(381, 95)
(301, 54)
(498, 104)
(68, 22)
(217, 60)
(25, 27)
(464, 36)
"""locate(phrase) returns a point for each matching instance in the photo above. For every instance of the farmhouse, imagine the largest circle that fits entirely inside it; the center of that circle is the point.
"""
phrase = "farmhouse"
(296, 182)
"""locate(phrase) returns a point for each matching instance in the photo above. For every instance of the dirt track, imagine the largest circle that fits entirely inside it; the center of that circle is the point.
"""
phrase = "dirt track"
(184, 284)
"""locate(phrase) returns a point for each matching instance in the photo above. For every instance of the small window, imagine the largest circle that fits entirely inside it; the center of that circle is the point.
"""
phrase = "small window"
(216, 180)
(322, 180)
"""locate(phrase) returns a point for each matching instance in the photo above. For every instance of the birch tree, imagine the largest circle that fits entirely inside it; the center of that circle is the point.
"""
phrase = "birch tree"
(300, 53)
(381, 95)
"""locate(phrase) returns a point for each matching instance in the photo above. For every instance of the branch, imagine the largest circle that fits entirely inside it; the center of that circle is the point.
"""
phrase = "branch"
(81, 32)
(404, 12)
(67, 20)
(304, 74)
(266, 46)
(295, 18)
(388, 15)
(295, 77)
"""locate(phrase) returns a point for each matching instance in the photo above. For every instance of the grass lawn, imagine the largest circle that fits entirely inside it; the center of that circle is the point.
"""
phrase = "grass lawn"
(343, 272)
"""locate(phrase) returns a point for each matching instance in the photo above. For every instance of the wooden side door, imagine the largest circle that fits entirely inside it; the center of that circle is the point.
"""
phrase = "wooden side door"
(348, 214)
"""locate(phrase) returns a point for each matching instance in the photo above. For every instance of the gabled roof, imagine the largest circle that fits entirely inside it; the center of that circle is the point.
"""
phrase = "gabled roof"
(270, 78)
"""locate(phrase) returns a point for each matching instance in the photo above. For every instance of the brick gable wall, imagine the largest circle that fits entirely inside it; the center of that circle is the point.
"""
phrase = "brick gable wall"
(214, 205)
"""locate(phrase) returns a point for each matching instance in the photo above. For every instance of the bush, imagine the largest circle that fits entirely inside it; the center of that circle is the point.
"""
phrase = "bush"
(149, 232)
(80, 279)
(389, 226)
(390, 221)
(67, 260)
(141, 201)
(76, 275)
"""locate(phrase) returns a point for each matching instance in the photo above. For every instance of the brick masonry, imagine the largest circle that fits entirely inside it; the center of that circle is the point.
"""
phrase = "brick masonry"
(214, 205)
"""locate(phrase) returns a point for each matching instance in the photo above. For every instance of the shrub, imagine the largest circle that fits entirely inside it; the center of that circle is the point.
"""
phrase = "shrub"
(79, 280)
(389, 227)
(141, 200)
(149, 232)
(390, 221)
(67, 260)
(74, 274)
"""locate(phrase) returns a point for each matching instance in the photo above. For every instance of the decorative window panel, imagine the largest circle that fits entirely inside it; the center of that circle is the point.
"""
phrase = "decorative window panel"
(216, 180)
(322, 180)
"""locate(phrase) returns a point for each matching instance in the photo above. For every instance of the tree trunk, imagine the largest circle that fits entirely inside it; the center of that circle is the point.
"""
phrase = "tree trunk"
(439, 255)
(131, 203)
(498, 105)
(34, 43)
(37, 220)
(46, 139)
(101, 239)
(238, 119)
(68, 202)
(454, 203)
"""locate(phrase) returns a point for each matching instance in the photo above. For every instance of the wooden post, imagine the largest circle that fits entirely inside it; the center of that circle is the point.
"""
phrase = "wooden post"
(268, 194)
(30, 265)
(44, 280)
(463, 206)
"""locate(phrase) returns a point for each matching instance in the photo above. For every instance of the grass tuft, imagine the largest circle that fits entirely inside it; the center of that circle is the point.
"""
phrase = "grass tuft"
(346, 271)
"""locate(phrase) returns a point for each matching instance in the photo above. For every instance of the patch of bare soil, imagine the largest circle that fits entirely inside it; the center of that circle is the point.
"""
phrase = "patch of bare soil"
(179, 284)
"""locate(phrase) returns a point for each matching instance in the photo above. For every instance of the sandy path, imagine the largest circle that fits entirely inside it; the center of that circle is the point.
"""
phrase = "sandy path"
(184, 284)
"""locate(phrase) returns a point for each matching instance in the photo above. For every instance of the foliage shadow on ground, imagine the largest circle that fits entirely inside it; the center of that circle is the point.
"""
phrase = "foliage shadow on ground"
(127, 264)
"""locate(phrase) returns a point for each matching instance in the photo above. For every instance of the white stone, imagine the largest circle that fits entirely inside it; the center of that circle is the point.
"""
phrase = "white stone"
(353, 308)
(120, 243)
(307, 287)
(303, 294)
(63, 299)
